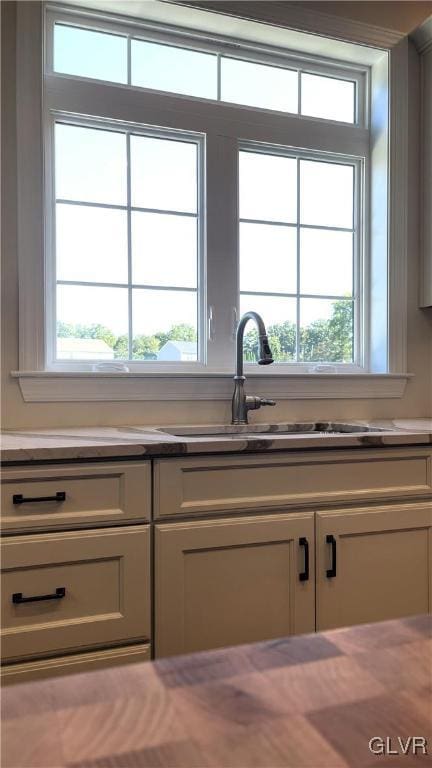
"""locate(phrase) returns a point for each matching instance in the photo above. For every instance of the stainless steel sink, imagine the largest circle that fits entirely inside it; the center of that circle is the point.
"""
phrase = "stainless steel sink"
(269, 430)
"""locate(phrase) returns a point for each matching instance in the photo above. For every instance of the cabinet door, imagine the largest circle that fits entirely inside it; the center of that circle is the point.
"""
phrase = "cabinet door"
(373, 564)
(232, 581)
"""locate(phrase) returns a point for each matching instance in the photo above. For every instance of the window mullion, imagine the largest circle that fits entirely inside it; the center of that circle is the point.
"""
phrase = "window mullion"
(219, 73)
(129, 247)
(298, 265)
(129, 60)
(222, 247)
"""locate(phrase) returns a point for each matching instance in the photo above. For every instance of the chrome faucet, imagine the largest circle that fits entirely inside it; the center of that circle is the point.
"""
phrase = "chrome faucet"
(241, 403)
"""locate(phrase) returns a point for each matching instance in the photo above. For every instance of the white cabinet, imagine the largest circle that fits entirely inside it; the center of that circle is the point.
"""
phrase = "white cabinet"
(236, 578)
(229, 581)
(74, 496)
(244, 579)
(244, 547)
(69, 591)
(76, 585)
(373, 564)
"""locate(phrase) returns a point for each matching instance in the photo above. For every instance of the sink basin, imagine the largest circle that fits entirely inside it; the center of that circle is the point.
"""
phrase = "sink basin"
(266, 430)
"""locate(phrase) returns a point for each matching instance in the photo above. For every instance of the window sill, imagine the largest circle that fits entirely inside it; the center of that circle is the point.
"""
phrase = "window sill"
(88, 386)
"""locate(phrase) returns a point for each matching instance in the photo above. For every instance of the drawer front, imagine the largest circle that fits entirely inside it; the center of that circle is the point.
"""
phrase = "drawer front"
(95, 587)
(71, 496)
(28, 671)
(192, 486)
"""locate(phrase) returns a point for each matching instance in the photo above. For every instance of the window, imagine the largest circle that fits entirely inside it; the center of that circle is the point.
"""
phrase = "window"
(297, 254)
(189, 180)
(127, 243)
(204, 74)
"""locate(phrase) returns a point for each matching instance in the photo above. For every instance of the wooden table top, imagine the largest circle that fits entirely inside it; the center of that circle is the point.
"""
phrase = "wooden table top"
(312, 701)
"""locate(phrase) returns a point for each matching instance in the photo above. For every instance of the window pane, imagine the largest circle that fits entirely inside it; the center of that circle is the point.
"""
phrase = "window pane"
(328, 98)
(163, 174)
(279, 315)
(326, 330)
(326, 194)
(90, 165)
(178, 70)
(91, 322)
(164, 249)
(268, 258)
(268, 187)
(85, 53)
(326, 262)
(164, 325)
(91, 244)
(258, 85)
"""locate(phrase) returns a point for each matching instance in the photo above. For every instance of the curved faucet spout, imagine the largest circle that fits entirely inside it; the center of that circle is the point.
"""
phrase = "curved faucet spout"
(265, 353)
(241, 403)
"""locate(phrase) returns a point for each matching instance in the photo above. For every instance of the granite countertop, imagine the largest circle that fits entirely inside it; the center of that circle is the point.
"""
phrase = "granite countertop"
(295, 702)
(134, 442)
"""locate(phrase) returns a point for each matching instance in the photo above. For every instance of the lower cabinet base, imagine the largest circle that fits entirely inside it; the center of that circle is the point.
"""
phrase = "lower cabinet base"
(80, 662)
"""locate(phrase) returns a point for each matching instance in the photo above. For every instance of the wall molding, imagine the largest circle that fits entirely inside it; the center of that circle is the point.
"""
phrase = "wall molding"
(299, 17)
(290, 26)
(63, 387)
(422, 36)
(30, 208)
(399, 137)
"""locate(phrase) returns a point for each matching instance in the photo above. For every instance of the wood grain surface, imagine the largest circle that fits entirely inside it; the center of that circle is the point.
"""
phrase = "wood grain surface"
(312, 701)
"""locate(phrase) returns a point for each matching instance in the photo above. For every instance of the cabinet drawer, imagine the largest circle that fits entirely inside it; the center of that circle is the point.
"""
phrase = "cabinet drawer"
(71, 496)
(104, 577)
(28, 671)
(189, 486)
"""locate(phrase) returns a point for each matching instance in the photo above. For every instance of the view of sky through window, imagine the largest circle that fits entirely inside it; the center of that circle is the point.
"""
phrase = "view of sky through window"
(202, 74)
(296, 255)
(126, 269)
(128, 222)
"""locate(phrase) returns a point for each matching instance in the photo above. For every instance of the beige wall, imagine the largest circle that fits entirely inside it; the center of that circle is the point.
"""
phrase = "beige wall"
(17, 414)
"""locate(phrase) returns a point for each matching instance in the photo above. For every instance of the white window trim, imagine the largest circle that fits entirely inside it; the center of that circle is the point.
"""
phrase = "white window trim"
(30, 244)
(51, 361)
(221, 46)
(51, 386)
(268, 130)
(359, 299)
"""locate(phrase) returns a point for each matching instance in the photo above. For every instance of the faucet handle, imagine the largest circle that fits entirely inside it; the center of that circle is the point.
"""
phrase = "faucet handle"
(253, 402)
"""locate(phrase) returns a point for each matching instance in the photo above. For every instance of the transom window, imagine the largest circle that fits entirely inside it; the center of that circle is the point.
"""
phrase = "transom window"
(189, 180)
(207, 74)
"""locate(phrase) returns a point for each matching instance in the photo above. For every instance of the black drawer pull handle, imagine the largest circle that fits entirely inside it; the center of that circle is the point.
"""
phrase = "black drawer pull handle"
(331, 572)
(18, 498)
(18, 598)
(304, 575)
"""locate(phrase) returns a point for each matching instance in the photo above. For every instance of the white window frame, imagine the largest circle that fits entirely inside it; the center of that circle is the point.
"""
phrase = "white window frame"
(217, 45)
(325, 131)
(360, 264)
(68, 94)
(52, 117)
